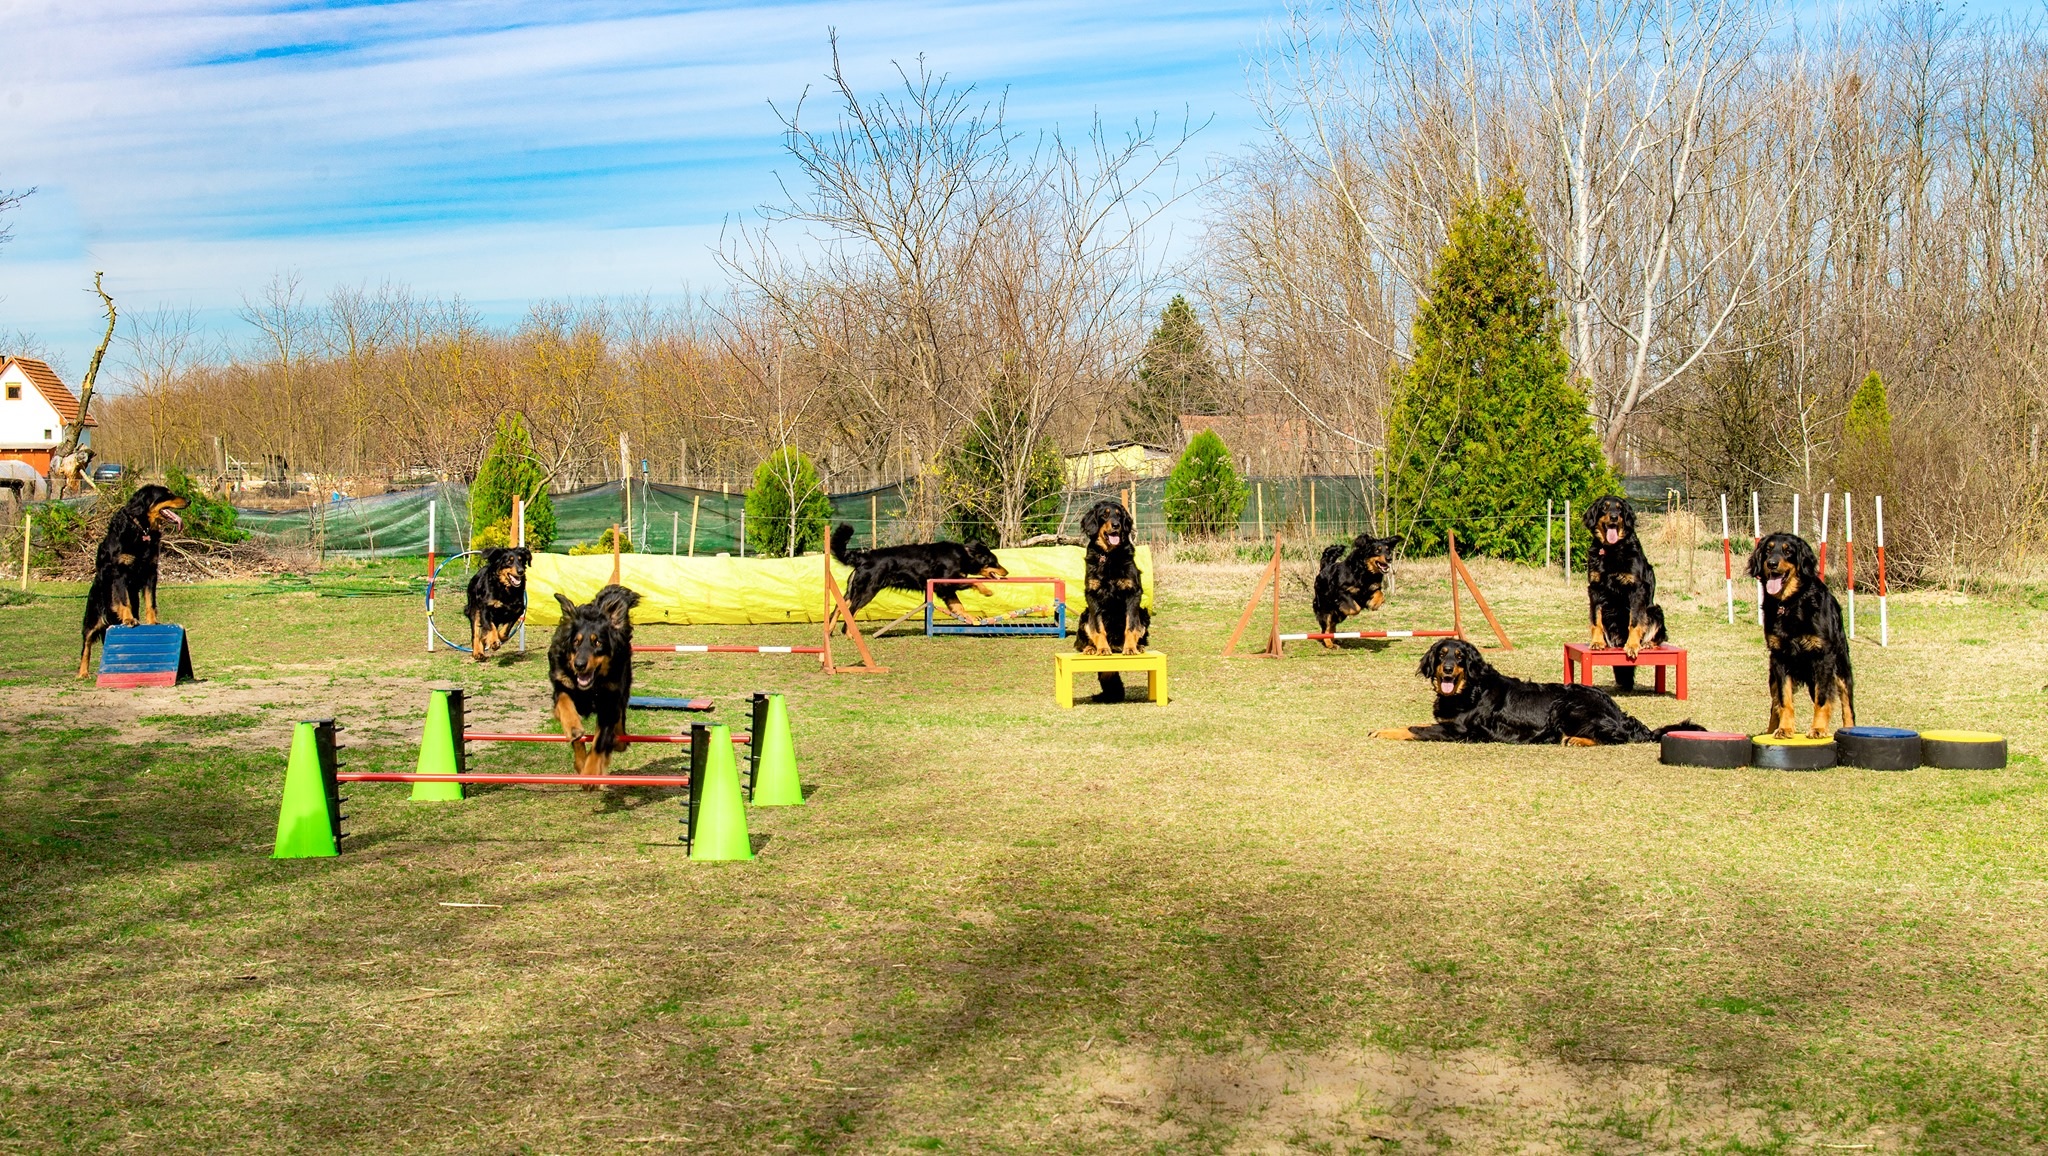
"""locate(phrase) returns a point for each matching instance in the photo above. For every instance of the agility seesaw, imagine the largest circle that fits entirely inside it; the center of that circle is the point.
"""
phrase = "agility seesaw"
(1275, 640)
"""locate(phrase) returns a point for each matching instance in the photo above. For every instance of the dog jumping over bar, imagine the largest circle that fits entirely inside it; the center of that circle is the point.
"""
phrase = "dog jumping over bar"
(1352, 583)
(124, 579)
(590, 669)
(1477, 704)
(910, 567)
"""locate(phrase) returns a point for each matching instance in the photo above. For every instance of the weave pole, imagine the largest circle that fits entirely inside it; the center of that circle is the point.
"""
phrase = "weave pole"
(1756, 527)
(1795, 515)
(1849, 554)
(1549, 507)
(1827, 504)
(1884, 621)
(519, 539)
(430, 575)
(1727, 561)
(1567, 540)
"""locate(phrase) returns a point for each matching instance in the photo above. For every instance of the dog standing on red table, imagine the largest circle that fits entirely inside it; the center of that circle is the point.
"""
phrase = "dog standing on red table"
(1621, 586)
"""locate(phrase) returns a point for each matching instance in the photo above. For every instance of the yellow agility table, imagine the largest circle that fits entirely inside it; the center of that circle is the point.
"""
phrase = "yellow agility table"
(1066, 664)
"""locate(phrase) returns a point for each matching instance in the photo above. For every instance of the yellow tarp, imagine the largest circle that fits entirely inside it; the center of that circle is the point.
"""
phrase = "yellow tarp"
(746, 591)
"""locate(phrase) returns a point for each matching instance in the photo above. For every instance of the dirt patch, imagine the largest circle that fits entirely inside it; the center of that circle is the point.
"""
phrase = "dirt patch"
(1355, 1099)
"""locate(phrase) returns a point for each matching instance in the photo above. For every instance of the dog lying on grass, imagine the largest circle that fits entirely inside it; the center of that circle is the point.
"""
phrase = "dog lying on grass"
(124, 580)
(497, 599)
(1621, 586)
(910, 567)
(1803, 629)
(1115, 621)
(1352, 583)
(590, 668)
(1477, 704)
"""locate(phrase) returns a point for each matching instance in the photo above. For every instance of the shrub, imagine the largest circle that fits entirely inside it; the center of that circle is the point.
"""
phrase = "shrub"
(511, 470)
(1203, 494)
(787, 508)
(603, 545)
(204, 515)
(1486, 423)
(1865, 466)
(975, 482)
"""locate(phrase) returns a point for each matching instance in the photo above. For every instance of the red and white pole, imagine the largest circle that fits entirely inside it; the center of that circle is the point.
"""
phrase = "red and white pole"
(1827, 508)
(430, 575)
(1849, 554)
(1727, 561)
(519, 539)
(1884, 621)
(1756, 526)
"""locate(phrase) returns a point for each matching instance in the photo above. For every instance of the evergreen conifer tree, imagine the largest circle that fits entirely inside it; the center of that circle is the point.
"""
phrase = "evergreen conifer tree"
(1866, 462)
(1177, 375)
(788, 511)
(1204, 494)
(1486, 423)
(510, 470)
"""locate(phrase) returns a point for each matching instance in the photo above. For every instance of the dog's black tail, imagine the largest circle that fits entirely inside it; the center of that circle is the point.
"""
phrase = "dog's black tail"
(842, 537)
(1331, 554)
(1660, 732)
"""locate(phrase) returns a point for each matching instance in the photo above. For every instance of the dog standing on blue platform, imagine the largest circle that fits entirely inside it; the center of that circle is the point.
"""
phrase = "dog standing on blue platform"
(1116, 621)
(1621, 586)
(124, 578)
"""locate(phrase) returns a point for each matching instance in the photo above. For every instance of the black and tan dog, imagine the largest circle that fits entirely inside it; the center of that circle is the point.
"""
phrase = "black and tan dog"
(1477, 704)
(497, 599)
(1354, 582)
(910, 567)
(1621, 586)
(1115, 621)
(1803, 629)
(590, 667)
(124, 577)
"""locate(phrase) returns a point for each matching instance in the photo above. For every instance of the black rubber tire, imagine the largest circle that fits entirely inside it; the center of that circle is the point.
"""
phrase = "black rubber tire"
(1878, 748)
(1704, 749)
(1793, 755)
(1963, 750)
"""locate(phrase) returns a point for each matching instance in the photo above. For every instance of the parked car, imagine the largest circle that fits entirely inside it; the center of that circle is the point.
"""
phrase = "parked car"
(107, 473)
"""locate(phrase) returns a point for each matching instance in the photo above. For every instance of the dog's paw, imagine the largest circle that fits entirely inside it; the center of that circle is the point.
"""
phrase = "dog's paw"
(1579, 741)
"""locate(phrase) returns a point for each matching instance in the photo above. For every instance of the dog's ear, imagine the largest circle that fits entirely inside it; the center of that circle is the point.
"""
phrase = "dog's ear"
(1628, 516)
(1091, 522)
(1590, 518)
(1803, 559)
(1427, 667)
(616, 603)
(1756, 557)
(568, 606)
(1393, 543)
(524, 555)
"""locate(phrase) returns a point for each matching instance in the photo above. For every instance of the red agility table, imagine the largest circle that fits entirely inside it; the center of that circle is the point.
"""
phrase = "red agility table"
(1580, 659)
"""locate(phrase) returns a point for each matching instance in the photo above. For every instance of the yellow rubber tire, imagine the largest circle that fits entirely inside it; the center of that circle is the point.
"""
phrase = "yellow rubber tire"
(1963, 750)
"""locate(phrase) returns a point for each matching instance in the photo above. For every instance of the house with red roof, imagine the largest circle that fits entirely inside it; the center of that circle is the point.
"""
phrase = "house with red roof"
(35, 404)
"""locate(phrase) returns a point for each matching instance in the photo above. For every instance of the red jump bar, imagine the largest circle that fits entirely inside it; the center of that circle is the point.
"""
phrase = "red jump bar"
(681, 740)
(558, 780)
(693, 648)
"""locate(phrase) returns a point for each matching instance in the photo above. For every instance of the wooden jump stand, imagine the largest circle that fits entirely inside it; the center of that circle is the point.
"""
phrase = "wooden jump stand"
(836, 609)
(1270, 577)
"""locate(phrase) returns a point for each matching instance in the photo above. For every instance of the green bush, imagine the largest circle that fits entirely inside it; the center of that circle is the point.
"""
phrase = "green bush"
(1204, 495)
(974, 481)
(204, 515)
(1486, 424)
(1865, 465)
(603, 545)
(787, 508)
(512, 470)
(56, 532)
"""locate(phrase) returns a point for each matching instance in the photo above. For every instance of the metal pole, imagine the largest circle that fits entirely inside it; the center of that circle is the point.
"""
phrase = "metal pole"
(519, 539)
(1884, 620)
(1549, 507)
(675, 528)
(696, 501)
(430, 575)
(1827, 508)
(1567, 541)
(1727, 561)
(27, 521)
(1849, 554)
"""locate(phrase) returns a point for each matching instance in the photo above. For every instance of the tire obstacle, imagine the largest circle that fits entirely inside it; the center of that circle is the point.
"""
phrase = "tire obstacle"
(310, 816)
(1276, 641)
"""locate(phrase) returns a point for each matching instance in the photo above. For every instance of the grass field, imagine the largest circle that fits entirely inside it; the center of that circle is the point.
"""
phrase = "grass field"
(1231, 924)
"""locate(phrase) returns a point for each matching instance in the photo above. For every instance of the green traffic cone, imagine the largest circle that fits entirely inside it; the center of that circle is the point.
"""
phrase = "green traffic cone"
(775, 781)
(305, 819)
(718, 827)
(440, 749)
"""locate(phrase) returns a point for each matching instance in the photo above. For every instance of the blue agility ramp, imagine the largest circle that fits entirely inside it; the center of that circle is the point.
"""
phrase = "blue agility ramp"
(133, 656)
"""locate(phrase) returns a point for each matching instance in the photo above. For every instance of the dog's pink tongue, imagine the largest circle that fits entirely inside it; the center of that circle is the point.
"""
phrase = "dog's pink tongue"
(1114, 538)
(1613, 535)
(175, 519)
(1447, 686)
(1774, 585)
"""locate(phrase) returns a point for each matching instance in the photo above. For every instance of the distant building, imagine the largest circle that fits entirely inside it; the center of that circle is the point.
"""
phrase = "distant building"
(35, 405)
(1117, 463)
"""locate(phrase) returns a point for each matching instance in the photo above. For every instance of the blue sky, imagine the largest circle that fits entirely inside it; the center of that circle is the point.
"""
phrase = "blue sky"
(503, 150)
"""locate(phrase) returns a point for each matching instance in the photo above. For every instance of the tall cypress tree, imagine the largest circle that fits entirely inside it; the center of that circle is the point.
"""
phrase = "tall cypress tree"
(1486, 423)
(1177, 375)
(1866, 461)
(510, 470)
